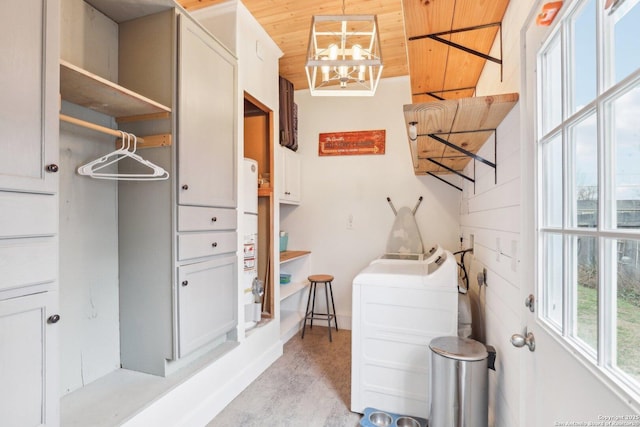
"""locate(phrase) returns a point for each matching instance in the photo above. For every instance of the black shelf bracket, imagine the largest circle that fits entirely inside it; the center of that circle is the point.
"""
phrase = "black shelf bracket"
(437, 37)
(444, 180)
(460, 174)
(439, 138)
(438, 97)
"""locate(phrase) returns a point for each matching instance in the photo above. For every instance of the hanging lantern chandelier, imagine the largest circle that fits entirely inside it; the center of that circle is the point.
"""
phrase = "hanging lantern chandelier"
(343, 55)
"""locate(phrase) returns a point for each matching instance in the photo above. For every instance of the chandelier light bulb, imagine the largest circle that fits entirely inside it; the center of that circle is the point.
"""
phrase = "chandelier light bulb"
(356, 52)
(343, 71)
(325, 70)
(333, 51)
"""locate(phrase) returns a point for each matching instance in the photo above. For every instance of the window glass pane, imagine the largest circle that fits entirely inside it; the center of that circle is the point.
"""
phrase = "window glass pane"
(583, 70)
(584, 146)
(626, 34)
(553, 266)
(552, 182)
(625, 113)
(628, 307)
(586, 291)
(551, 86)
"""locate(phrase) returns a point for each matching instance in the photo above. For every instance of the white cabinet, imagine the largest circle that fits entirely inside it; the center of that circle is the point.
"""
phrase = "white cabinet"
(204, 312)
(29, 363)
(29, 213)
(206, 119)
(184, 229)
(289, 176)
(29, 88)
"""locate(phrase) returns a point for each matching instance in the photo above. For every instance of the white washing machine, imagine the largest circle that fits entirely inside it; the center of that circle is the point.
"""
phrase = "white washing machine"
(399, 306)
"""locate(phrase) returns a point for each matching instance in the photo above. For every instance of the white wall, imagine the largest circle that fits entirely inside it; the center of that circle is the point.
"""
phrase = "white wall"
(334, 187)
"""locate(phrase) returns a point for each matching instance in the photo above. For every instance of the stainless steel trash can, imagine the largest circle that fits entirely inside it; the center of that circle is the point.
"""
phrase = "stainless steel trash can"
(458, 387)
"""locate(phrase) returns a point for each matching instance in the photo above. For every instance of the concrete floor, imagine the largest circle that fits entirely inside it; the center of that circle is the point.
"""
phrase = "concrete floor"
(309, 386)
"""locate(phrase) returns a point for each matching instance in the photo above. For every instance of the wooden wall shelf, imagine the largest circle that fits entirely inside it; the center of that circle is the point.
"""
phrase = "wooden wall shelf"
(466, 123)
(88, 90)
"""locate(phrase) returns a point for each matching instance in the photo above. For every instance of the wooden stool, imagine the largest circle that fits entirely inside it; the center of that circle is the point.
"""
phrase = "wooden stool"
(314, 280)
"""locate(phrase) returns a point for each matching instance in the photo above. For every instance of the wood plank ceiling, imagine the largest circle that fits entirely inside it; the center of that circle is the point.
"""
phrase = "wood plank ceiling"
(437, 70)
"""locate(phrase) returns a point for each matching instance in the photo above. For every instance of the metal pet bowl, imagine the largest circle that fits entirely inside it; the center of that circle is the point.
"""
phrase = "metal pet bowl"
(407, 422)
(380, 419)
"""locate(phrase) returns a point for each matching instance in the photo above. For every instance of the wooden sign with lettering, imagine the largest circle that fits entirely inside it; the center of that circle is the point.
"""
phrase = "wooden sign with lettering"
(351, 143)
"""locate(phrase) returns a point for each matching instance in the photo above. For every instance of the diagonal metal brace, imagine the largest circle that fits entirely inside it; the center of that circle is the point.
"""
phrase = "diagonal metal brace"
(460, 149)
(436, 37)
(439, 98)
(444, 180)
(451, 170)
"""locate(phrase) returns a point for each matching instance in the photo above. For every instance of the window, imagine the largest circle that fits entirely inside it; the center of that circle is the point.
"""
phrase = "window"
(588, 181)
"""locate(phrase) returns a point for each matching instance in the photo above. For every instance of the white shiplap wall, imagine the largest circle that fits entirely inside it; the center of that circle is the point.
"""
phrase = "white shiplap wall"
(491, 212)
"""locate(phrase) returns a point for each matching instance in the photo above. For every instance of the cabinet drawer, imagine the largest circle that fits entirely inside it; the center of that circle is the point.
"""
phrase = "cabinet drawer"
(206, 244)
(27, 262)
(192, 218)
(206, 302)
(23, 214)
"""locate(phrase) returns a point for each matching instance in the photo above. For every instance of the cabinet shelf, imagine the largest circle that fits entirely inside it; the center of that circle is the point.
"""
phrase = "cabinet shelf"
(286, 256)
(265, 192)
(291, 288)
(86, 89)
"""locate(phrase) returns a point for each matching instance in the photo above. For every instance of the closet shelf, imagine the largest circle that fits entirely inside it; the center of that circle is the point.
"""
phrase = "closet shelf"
(83, 88)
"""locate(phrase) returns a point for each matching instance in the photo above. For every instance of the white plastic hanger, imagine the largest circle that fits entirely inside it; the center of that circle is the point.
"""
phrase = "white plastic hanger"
(92, 168)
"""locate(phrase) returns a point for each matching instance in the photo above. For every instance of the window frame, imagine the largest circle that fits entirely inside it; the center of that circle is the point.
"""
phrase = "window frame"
(606, 234)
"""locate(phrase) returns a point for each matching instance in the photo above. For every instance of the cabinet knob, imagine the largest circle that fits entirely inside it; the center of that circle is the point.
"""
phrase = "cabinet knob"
(53, 168)
(185, 187)
(214, 219)
(185, 282)
(54, 318)
(214, 244)
(287, 193)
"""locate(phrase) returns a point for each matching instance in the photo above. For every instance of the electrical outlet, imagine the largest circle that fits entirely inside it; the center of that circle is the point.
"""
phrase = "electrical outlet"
(350, 222)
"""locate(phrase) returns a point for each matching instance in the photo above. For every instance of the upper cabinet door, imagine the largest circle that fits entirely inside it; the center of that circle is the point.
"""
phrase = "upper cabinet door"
(289, 177)
(207, 114)
(29, 88)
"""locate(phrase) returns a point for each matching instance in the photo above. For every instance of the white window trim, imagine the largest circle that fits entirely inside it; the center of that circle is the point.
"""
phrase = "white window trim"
(603, 367)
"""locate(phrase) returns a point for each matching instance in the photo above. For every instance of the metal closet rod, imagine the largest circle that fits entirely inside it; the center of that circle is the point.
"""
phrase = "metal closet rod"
(95, 127)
